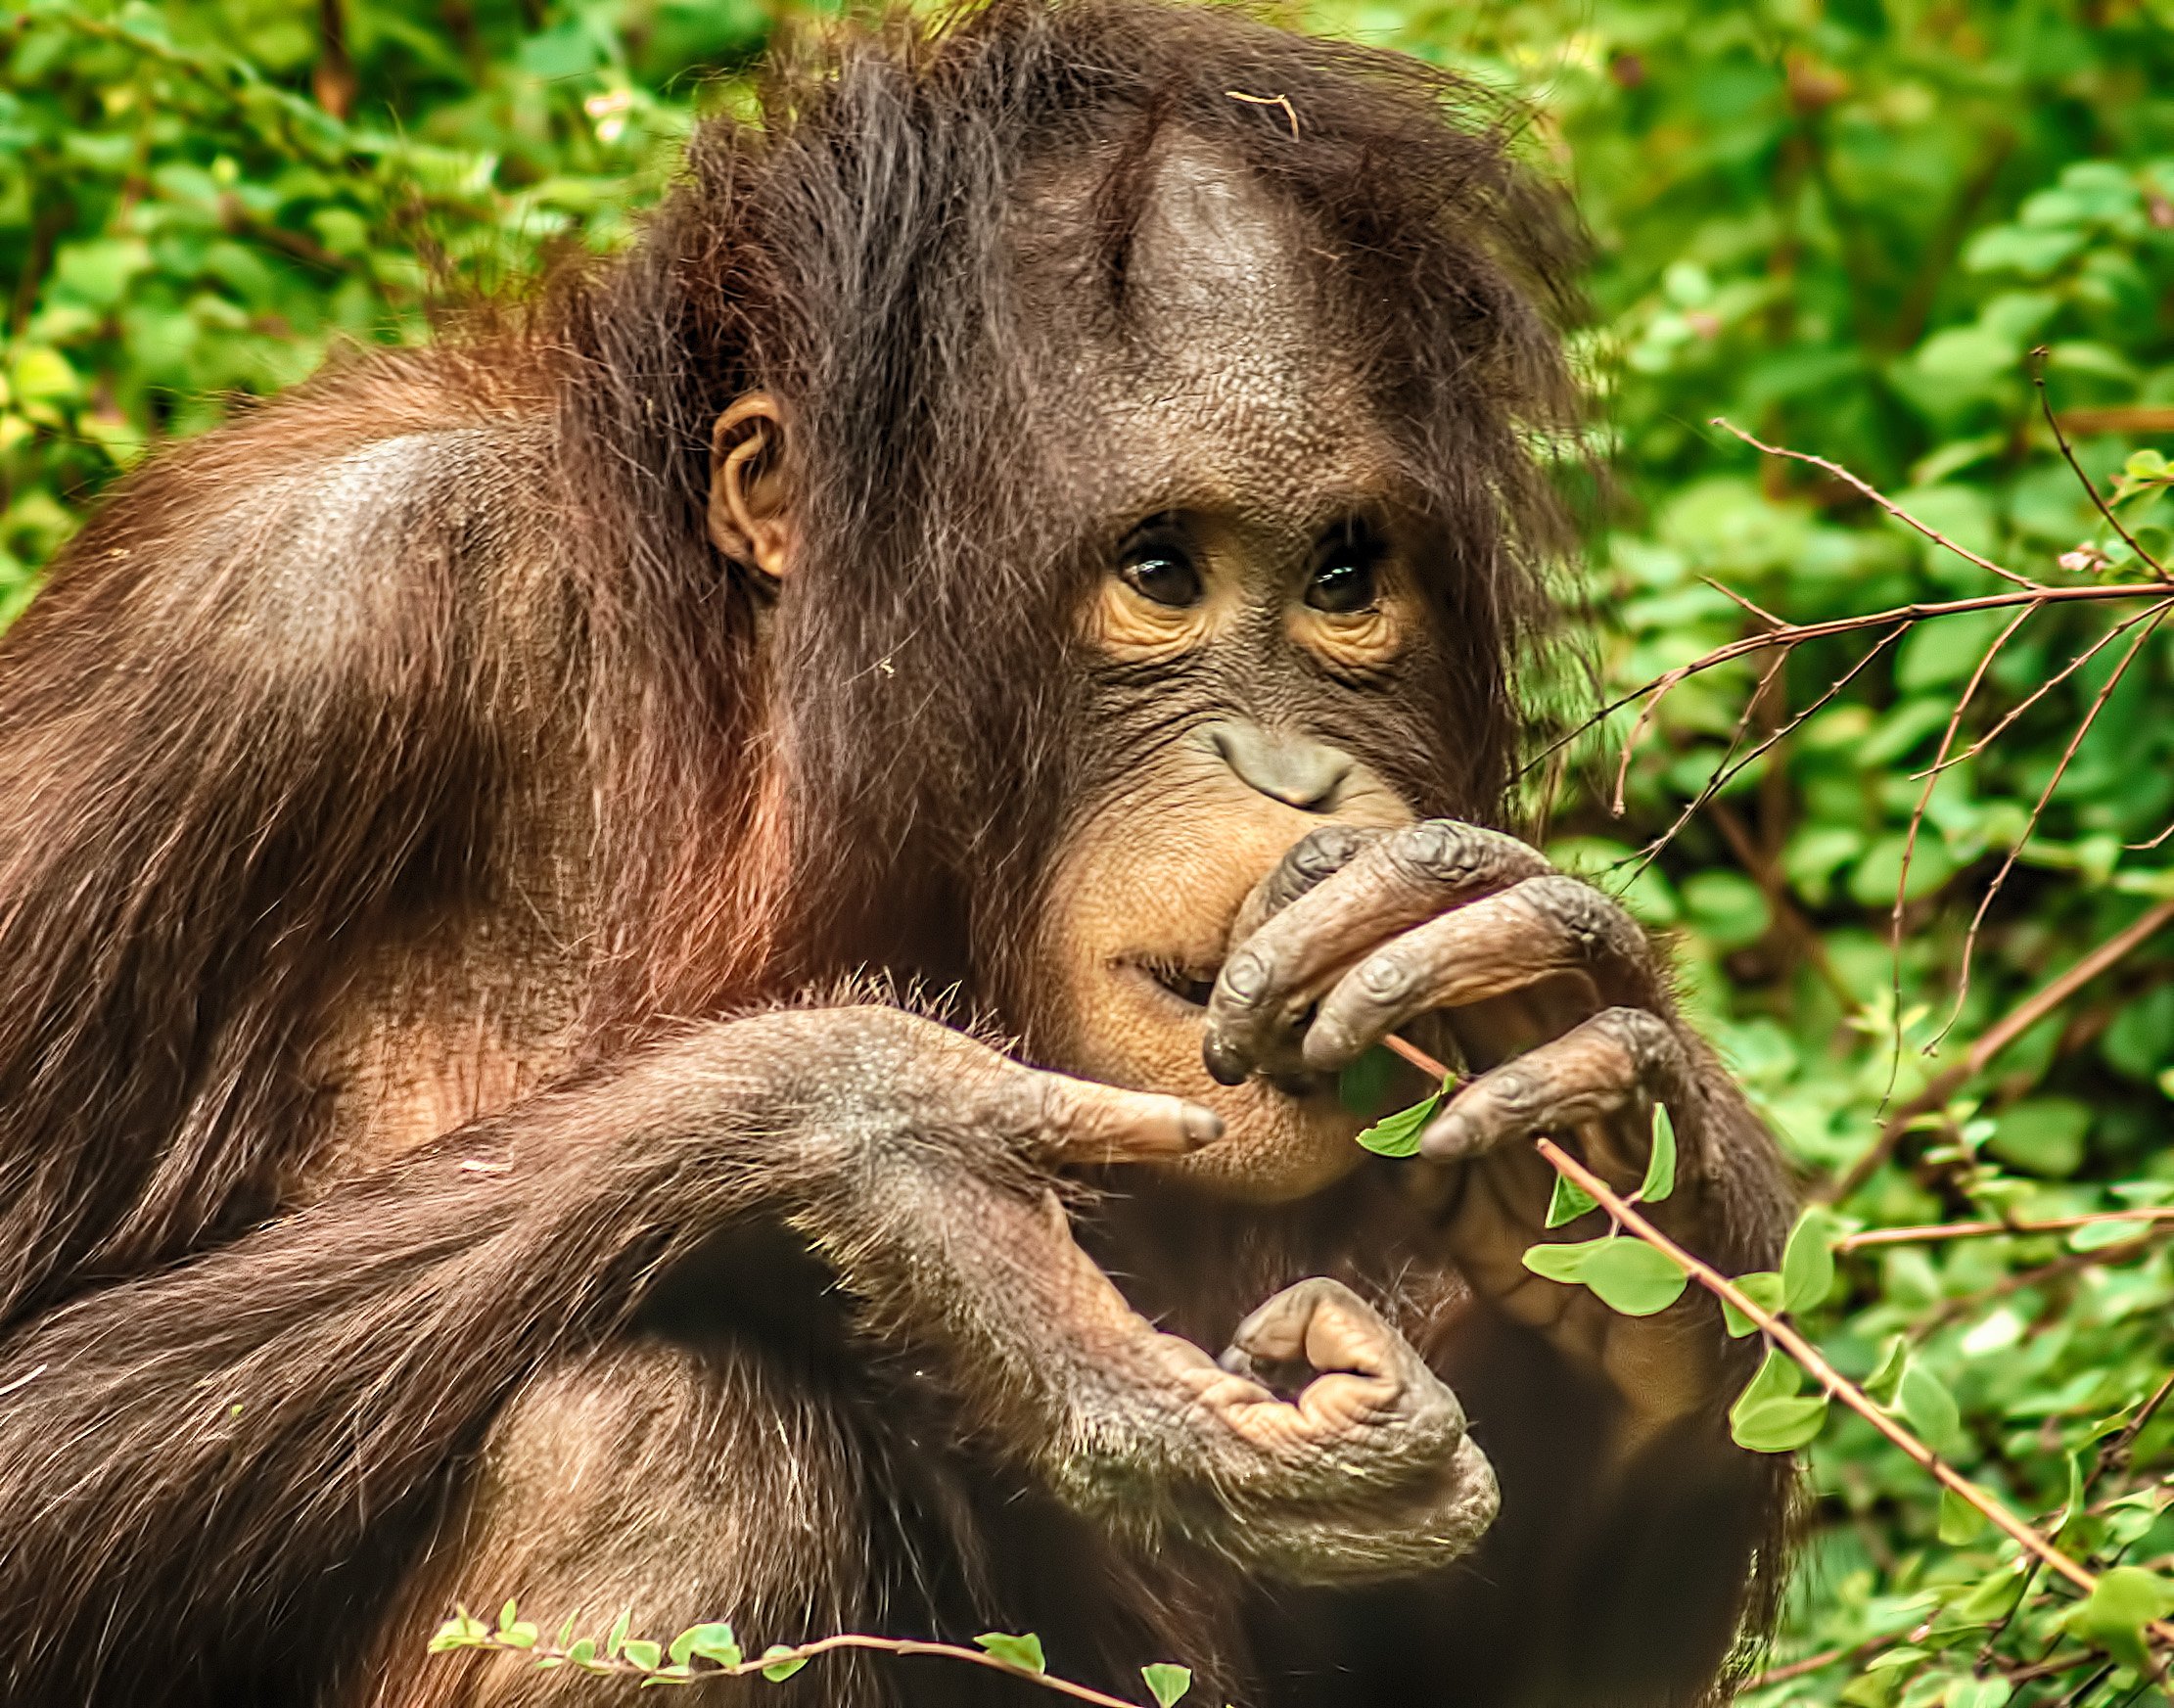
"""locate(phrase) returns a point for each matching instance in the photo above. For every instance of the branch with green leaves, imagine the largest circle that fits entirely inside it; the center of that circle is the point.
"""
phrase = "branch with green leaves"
(1638, 1270)
(711, 1650)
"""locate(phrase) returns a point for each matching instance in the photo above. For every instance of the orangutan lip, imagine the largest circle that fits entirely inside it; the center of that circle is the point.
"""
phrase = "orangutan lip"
(1192, 986)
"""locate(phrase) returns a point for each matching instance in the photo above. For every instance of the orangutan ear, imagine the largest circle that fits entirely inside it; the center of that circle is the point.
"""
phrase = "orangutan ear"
(750, 510)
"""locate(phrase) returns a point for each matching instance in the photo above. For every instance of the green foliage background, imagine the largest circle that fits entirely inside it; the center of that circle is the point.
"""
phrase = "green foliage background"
(1840, 225)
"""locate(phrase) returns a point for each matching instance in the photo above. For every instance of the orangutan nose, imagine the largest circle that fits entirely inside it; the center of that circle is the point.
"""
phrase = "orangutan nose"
(1284, 767)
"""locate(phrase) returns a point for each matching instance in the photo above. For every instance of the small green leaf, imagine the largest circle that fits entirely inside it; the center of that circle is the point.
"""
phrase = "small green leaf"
(642, 1653)
(1634, 1278)
(1808, 1262)
(1398, 1134)
(2098, 1236)
(2112, 1616)
(1925, 1402)
(1769, 1415)
(565, 1631)
(1660, 1166)
(1564, 1263)
(1778, 1425)
(1363, 1086)
(2070, 1506)
(712, 1641)
(1979, 1692)
(1894, 1358)
(1763, 1287)
(1023, 1652)
(668, 1675)
(617, 1639)
(784, 1665)
(507, 1615)
(520, 1633)
(583, 1652)
(462, 1631)
(1166, 1683)
(1960, 1523)
(1568, 1202)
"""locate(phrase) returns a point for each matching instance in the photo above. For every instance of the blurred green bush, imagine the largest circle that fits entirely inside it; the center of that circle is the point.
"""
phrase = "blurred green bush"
(1844, 227)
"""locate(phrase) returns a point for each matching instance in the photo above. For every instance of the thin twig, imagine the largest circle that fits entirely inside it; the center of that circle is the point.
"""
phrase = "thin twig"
(1837, 1385)
(1998, 1037)
(1809, 1664)
(2116, 1457)
(898, 1646)
(1916, 822)
(2155, 616)
(2008, 719)
(1795, 634)
(1979, 1229)
(2045, 404)
(1879, 498)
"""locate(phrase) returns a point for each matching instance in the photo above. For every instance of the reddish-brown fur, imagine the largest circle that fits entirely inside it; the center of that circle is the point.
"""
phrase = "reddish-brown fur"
(396, 784)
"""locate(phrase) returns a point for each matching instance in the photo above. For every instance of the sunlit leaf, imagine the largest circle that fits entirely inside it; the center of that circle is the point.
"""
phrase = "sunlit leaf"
(1808, 1262)
(2112, 1616)
(1562, 1262)
(1166, 1682)
(1660, 1164)
(1633, 1277)
(785, 1664)
(1023, 1652)
(1567, 1202)
(1398, 1134)
(1763, 1287)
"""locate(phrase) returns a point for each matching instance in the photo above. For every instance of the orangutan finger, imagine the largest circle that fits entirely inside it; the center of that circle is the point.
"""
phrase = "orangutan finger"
(1319, 854)
(1388, 887)
(1539, 929)
(1596, 1069)
(1083, 1123)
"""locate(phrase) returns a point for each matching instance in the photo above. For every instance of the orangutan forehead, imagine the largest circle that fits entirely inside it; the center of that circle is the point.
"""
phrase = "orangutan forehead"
(1193, 349)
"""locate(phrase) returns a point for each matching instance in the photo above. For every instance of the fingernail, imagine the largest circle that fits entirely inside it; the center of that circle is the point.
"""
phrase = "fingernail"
(1225, 1062)
(1244, 977)
(1201, 1126)
(1448, 1139)
(1329, 1044)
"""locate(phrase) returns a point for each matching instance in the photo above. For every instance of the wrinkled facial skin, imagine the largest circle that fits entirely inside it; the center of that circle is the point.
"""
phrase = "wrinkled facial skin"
(1252, 635)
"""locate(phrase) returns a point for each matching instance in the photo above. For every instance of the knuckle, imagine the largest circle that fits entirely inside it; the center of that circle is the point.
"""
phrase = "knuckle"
(1385, 977)
(1450, 851)
(1645, 1035)
(1245, 976)
(1322, 853)
(1580, 912)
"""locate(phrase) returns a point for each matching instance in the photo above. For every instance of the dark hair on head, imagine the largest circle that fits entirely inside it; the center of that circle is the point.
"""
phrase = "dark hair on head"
(847, 254)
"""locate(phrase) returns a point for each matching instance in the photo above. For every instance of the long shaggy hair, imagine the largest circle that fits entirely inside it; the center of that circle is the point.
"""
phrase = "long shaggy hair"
(847, 252)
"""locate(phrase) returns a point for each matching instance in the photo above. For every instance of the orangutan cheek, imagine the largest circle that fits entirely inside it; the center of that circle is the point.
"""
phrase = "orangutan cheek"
(1144, 899)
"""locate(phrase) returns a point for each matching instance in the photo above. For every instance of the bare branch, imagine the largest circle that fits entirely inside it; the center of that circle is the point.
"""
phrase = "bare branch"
(1879, 498)
(2045, 405)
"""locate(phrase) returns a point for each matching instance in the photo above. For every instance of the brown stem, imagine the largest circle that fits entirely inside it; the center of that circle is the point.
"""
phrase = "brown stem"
(1837, 1385)
(1879, 498)
(1997, 1037)
(2061, 439)
(333, 79)
(1976, 1229)
(900, 1646)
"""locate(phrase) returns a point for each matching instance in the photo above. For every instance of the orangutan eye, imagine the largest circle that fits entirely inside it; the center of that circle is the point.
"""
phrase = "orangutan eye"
(1159, 570)
(1344, 582)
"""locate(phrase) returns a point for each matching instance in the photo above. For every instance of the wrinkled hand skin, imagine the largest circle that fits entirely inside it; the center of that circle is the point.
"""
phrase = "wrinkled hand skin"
(930, 1210)
(1467, 942)
(1366, 1473)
